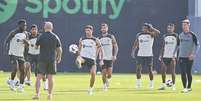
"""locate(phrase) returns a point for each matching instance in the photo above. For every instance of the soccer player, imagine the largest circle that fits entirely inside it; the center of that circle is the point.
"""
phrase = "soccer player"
(144, 45)
(17, 41)
(33, 55)
(110, 51)
(168, 54)
(89, 48)
(50, 55)
(188, 49)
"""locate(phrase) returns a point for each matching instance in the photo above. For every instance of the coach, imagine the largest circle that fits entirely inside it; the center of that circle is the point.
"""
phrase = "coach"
(50, 55)
(188, 49)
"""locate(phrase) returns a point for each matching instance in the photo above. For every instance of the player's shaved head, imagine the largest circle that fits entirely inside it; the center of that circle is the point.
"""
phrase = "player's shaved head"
(48, 27)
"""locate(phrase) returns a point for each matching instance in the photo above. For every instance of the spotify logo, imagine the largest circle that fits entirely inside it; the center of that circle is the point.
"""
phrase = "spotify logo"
(108, 8)
(7, 9)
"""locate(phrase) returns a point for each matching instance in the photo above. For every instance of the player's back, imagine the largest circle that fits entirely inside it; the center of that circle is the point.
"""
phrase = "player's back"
(48, 43)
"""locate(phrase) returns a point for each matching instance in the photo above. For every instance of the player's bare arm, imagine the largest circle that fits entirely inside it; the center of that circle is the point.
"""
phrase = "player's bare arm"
(99, 51)
(58, 54)
(155, 32)
(8, 38)
(79, 47)
(115, 48)
(134, 47)
(162, 51)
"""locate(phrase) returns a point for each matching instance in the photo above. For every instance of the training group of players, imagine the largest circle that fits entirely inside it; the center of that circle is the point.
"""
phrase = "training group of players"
(43, 51)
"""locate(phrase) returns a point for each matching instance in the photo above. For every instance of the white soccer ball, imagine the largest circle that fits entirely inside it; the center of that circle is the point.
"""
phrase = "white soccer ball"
(73, 48)
(169, 83)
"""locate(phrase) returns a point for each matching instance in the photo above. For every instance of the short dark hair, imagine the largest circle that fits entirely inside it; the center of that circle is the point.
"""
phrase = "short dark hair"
(171, 24)
(21, 21)
(104, 24)
(88, 26)
(34, 26)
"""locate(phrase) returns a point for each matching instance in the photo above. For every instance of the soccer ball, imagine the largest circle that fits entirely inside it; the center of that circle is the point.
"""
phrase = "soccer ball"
(73, 48)
(169, 83)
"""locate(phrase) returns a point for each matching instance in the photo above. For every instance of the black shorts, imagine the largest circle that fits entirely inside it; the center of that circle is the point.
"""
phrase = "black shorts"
(88, 62)
(16, 60)
(33, 59)
(144, 61)
(47, 67)
(107, 64)
(167, 61)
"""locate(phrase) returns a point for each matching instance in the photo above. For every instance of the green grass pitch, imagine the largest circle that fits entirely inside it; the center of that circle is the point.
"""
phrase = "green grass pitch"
(73, 87)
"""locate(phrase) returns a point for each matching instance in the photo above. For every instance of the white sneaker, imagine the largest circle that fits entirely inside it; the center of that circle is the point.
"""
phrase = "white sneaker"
(49, 97)
(138, 83)
(90, 91)
(185, 90)
(173, 87)
(189, 89)
(36, 97)
(12, 85)
(21, 88)
(162, 87)
(105, 87)
(45, 86)
(151, 85)
(28, 82)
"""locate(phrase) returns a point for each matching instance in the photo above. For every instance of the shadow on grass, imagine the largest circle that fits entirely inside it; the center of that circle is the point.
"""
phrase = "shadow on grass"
(10, 99)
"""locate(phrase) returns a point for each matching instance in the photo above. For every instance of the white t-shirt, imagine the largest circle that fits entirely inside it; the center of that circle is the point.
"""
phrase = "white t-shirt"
(17, 45)
(106, 42)
(171, 41)
(89, 48)
(32, 45)
(145, 45)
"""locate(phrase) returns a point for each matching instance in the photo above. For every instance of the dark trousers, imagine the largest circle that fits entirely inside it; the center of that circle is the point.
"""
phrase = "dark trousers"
(186, 66)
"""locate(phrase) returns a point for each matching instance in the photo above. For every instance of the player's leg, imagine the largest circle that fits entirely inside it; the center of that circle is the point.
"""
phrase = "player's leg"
(22, 74)
(28, 73)
(51, 70)
(172, 69)
(189, 74)
(139, 62)
(40, 73)
(104, 77)
(37, 85)
(45, 85)
(163, 73)
(149, 62)
(79, 61)
(182, 65)
(109, 69)
(109, 75)
(14, 64)
(50, 85)
(92, 79)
